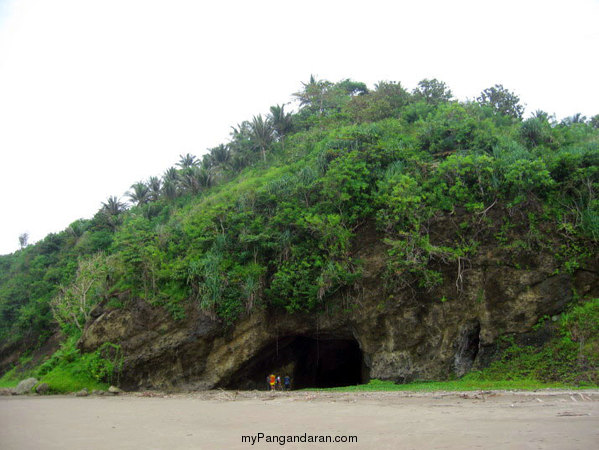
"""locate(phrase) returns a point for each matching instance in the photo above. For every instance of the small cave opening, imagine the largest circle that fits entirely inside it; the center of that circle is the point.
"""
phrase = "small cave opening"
(310, 362)
(467, 348)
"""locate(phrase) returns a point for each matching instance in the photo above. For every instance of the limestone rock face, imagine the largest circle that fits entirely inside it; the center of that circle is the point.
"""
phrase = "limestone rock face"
(25, 386)
(399, 336)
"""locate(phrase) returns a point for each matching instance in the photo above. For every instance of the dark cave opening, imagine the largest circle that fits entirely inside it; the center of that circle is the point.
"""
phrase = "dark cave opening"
(310, 362)
(467, 348)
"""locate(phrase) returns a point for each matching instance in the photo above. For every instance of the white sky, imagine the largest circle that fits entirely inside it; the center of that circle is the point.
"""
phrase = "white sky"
(96, 95)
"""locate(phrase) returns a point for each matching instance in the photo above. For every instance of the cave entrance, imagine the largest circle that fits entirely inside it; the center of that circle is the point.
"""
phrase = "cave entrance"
(467, 348)
(308, 361)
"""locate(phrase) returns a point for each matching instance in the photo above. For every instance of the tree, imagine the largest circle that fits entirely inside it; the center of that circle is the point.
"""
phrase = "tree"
(385, 101)
(394, 92)
(140, 194)
(169, 188)
(237, 162)
(502, 101)
(262, 133)
(219, 155)
(535, 131)
(154, 185)
(112, 210)
(432, 91)
(171, 174)
(594, 121)
(351, 88)
(113, 206)
(576, 118)
(281, 122)
(242, 142)
(187, 161)
(23, 240)
(541, 115)
(313, 94)
(74, 303)
(77, 228)
(194, 179)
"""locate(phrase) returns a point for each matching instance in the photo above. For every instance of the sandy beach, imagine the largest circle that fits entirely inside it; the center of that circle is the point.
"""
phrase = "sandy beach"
(220, 419)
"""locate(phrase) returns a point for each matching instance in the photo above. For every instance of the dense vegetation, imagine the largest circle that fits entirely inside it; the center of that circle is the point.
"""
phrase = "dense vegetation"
(267, 220)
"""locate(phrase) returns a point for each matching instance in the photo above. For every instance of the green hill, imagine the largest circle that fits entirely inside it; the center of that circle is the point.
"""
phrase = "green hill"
(271, 220)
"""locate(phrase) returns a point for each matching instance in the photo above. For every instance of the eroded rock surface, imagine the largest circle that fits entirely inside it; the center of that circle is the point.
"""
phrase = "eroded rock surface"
(401, 336)
(25, 386)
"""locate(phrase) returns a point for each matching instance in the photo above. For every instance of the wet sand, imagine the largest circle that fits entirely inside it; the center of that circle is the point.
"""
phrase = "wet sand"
(218, 419)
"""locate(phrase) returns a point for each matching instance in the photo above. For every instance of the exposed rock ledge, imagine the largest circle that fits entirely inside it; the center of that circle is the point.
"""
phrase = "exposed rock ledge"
(400, 338)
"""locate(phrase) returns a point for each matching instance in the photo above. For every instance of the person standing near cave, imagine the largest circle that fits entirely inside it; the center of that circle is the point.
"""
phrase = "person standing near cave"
(287, 383)
(272, 380)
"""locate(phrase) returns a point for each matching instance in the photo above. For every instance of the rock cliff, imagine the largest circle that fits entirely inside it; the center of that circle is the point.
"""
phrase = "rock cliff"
(371, 332)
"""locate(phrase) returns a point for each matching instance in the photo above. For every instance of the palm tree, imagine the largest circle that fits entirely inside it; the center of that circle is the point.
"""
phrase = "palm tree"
(189, 182)
(237, 162)
(171, 174)
(170, 183)
(169, 188)
(140, 193)
(154, 185)
(187, 161)
(242, 132)
(112, 210)
(204, 178)
(313, 94)
(220, 155)
(207, 161)
(194, 179)
(576, 118)
(113, 206)
(241, 139)
(281, 122)
(262, 133)
(541, 115)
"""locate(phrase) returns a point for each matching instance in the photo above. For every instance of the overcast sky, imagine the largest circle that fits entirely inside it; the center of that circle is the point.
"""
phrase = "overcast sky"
(96, 95)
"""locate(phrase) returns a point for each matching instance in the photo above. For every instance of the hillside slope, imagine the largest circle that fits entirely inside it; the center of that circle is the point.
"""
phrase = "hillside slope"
(406, 232)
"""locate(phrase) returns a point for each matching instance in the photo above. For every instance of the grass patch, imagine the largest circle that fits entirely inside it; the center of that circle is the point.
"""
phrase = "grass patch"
(10, 379)
(71, 378)
(571, 357)
(67, 370)
(468, 383)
